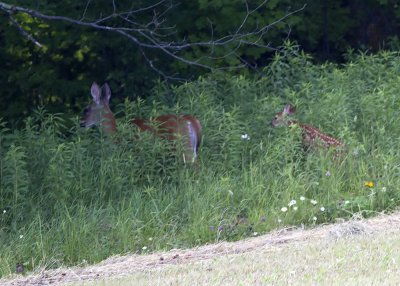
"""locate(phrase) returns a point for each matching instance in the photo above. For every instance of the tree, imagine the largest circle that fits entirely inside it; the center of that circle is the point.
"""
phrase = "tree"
(61, 48)
(148, 28)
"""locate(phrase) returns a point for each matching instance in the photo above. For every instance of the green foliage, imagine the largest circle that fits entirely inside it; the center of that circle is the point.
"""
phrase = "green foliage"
(72, 195)
(72, 57)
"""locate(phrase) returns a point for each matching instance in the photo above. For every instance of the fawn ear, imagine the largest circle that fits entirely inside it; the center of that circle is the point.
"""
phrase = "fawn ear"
(106, 93)
(96, 93)
(289, 109)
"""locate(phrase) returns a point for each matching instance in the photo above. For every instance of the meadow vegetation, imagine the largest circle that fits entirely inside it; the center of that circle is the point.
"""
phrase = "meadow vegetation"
(71, 195)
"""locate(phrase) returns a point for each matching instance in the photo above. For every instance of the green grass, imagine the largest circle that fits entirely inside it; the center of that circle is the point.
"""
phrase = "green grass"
(70, 195)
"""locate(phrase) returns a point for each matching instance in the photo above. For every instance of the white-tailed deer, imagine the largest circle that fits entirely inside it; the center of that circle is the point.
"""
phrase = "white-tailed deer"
(312, 137)
(168, 126)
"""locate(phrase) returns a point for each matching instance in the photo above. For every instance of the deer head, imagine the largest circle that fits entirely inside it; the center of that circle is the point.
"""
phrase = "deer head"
(98, 112)
(282, 118)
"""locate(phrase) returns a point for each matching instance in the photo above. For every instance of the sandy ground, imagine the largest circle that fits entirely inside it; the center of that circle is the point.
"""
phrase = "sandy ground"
(121, 266)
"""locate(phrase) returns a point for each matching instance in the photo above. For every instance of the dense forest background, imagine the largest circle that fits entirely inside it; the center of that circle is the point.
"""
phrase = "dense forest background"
(58, 74)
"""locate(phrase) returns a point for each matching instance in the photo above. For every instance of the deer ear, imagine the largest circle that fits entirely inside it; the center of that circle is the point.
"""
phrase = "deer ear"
(106, 93)
(96, 92)
(289, 109)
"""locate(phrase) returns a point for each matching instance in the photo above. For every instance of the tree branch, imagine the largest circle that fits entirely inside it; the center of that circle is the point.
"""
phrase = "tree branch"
(23, 32)
(155, 35)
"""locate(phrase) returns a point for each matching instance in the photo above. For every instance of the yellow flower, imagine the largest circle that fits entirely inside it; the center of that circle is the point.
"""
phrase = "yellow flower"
(369, 184)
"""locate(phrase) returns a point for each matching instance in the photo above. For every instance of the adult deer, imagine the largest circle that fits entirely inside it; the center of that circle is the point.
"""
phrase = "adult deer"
(168, 126)
(312, 136)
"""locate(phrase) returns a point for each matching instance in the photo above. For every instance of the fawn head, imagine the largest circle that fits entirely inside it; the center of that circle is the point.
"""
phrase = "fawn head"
(282, 118)
(312, 136)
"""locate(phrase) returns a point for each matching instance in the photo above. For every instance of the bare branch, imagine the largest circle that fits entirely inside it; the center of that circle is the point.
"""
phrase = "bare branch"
(157, 70)
(23, 32)
(114, 7)
(156, 35)
(86, 8)
(150, 7)
(248, 13)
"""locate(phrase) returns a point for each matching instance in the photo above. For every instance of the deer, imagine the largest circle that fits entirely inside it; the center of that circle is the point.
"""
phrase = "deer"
(312, 136)
(167, 126)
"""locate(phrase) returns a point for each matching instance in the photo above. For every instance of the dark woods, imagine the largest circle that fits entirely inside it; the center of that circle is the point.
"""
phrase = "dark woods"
(57, 74)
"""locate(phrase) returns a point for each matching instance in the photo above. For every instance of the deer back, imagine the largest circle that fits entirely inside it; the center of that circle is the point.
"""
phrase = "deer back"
(172, 126)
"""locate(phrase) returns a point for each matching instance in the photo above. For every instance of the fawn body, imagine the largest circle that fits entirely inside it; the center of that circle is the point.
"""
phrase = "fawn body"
(312, 136)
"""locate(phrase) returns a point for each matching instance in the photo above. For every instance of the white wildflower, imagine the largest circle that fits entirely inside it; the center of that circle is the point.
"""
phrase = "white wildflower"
(302, 198)
(245, 137)
(313, 202)
(295, 208)
(284, 209)
(144, 247)
(322, 209)
(291, 203)
(314, 218)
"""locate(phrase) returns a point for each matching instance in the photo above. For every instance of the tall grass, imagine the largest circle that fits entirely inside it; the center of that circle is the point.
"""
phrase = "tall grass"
(72, 195)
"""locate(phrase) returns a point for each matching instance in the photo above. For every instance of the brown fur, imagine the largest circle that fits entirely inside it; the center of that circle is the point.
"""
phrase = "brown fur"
(168, 126)
(312, 136)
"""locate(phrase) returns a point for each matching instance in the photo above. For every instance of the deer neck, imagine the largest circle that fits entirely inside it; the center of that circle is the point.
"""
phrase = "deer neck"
(108, 124)
(291, 123)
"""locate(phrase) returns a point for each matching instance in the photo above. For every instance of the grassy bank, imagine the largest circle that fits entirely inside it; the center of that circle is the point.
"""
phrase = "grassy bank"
(366, 259)
(70, 195)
